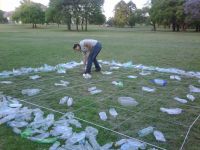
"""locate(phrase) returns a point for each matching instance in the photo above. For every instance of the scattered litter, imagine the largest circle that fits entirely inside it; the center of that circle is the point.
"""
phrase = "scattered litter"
(145, 131)
(6, 82)
(106, 72)
(66, 100)
(180, 100)
(171, 111)
(118, 83)
(87, 76)
(159, 136)
(114, 68)
(132, 77)
(35, 77)
(127, 101)
(160, 82)
(194, 89)
(31, 92)
(94, 90)
(62, 83)
(128, 64)
(190, 97)
(103, 116)
(145, 73)
(175, 77)
(148, 89)
(113, 112)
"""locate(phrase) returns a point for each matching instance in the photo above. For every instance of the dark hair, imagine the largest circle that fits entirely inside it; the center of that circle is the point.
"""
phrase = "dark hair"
(76, 45)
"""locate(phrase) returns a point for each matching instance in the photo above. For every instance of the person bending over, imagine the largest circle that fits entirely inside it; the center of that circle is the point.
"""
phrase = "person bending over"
(90, 49)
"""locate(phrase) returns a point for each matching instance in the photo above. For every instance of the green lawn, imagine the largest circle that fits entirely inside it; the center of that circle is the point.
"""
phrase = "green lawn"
(22, 46)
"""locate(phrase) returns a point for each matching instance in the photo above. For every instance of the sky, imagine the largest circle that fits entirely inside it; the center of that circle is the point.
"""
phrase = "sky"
(10, 5)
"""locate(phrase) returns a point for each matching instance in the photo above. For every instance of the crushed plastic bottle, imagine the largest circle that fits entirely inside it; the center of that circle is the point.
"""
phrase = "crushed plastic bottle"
(118, 83)
(127, 101)
(87, 76)
(6, 82)
(145, 131)
(35, 77)
(190, 97)
(132, 77)
(17, 131)
(133, 145)
(160, 82)
(175, 77)
(194, 89)
(31, 92)
(55, 146)
(113, 112)
(62, 83)
(148, 89)
(76, 137)
(180, 100)
(171, 111)
(103, 116)
(93, 90)
(159, 136)
(106, 72)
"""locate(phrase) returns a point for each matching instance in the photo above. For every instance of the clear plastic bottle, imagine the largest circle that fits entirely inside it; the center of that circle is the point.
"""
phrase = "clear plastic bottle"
(145, 131)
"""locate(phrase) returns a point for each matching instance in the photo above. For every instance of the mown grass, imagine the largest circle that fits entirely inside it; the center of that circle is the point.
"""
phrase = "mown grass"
(23, 46)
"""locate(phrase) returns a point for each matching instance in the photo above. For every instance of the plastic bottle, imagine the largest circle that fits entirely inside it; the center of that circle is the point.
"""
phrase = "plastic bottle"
(103, 116)
(145, 131)
(160, 82)
(55, 146)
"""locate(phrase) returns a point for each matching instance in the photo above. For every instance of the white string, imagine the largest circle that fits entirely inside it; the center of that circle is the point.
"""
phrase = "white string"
(189, 131)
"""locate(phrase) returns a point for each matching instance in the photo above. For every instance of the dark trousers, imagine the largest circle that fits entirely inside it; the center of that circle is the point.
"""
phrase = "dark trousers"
(92, 58)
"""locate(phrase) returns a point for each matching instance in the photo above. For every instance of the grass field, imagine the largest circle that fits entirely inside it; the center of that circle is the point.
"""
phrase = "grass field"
(22, 46)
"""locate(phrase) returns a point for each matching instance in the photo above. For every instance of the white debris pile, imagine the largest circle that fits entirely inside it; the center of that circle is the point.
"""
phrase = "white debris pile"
(66, 100)
(31, 92)
(93, 90)
(44, 68)
(62, 83)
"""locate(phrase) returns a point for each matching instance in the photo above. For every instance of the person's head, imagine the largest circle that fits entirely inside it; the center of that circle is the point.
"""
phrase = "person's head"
(77, 47)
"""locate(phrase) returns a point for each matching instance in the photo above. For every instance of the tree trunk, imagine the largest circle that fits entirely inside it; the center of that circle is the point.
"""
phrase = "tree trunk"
(77, 24)
(197, 27)
(58, 25)
(154, 27)
(86, 21)
(173, 27)
(82, 22)
(33, 26)
(177, 27)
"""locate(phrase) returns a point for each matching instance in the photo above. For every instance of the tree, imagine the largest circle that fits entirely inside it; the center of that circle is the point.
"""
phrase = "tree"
(192, 10)
(121, 14)
(52, 14)
(131, 13)
(2, 18)
(167, 12)
(30, 12)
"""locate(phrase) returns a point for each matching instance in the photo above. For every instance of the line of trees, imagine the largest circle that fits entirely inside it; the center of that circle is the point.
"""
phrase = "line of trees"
(175, 14)
(127, 14)
(2, 18)
(78, 12)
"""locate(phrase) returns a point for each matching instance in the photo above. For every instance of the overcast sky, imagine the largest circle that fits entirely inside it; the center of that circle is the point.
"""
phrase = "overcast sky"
(9, 5)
